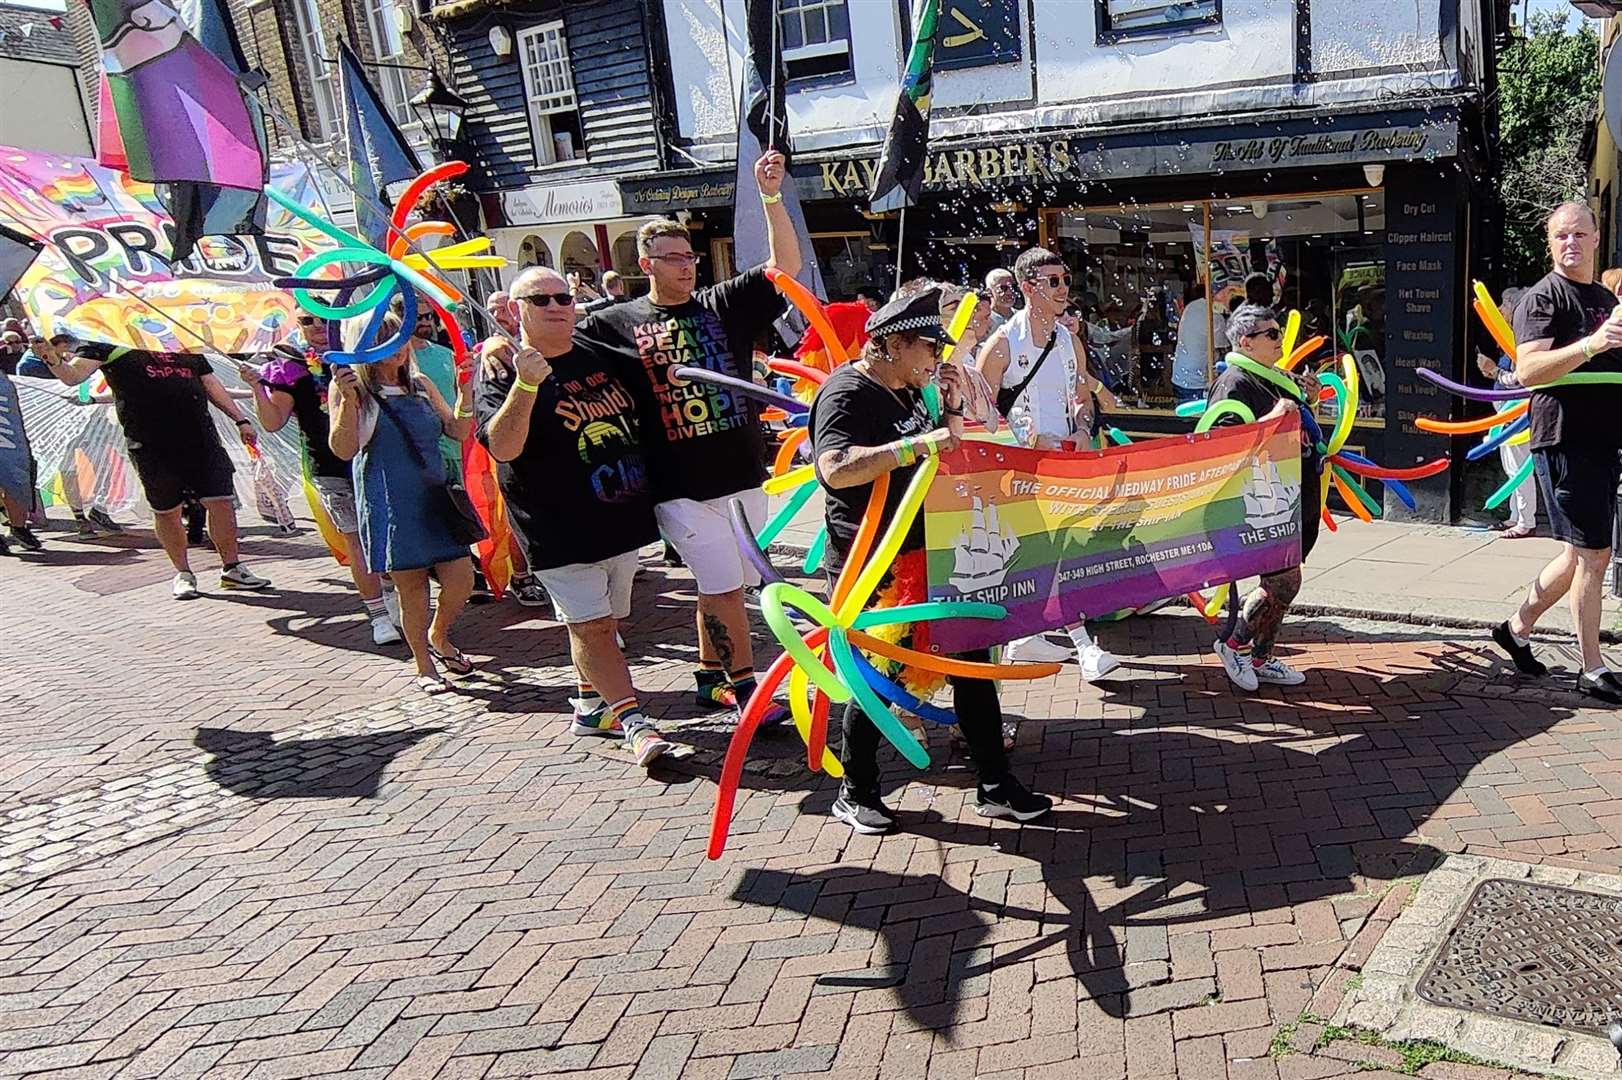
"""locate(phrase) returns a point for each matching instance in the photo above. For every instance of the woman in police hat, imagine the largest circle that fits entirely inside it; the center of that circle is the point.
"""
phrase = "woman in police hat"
(868, 420)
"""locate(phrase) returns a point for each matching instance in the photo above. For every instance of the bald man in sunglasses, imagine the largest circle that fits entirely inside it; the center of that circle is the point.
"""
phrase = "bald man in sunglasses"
(566, 432)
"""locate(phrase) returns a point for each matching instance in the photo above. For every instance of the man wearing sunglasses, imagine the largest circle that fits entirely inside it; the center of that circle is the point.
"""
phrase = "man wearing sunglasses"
(703, 442)
(1247, 655)
(1056, 407)
(565, 430)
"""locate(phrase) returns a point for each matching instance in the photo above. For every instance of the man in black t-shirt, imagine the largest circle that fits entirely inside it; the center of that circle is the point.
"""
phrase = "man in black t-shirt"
(704, 443)
(292, 384)
(1567, 325)
(1247, 654)
(162, 400)
(869, 420)
(566, 434)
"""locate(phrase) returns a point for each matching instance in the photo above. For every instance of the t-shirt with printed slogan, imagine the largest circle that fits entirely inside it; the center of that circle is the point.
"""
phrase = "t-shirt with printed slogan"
(578, 492)
(703, 440)
(1576, 417)
(158, 397)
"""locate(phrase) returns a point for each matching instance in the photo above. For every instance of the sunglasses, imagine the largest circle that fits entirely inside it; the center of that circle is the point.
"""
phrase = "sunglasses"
(680, 258)
(1054, 280)
(307, 320)
(546, 299)
(1272, 334)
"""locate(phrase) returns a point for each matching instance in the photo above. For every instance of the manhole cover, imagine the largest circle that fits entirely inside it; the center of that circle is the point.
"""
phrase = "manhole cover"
(1533, 952)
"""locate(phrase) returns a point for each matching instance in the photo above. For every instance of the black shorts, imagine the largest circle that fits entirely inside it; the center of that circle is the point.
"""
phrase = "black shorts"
(171, 475)
(1579, 494)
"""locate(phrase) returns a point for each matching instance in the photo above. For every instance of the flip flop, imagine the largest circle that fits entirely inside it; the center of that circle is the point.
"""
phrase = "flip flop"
(1519, 532)
(456, 663)
(431, 684)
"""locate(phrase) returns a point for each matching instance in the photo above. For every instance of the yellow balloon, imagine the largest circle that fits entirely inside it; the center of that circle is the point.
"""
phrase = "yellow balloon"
(1494, 318)
(1343, 422)
(776, 485)
(1292, 330)
(878, 563)
(799, 707)
(960, 321)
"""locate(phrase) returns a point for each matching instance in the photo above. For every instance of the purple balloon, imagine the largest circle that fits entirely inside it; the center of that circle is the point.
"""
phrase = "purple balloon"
(1471, 392)
(741, 386)
(751, 550)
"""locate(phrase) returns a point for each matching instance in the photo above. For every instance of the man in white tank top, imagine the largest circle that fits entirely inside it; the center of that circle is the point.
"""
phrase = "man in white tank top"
(1055, 406)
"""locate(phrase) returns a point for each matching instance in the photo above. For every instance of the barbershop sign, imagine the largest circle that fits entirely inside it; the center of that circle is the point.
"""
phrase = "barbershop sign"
(1076, 158)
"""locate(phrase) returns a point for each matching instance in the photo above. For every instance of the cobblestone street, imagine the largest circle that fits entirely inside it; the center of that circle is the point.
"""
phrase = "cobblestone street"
(234, 844)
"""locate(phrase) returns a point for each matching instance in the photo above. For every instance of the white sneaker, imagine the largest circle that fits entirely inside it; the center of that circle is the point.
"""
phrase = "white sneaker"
(1036, 649)
(240, 577)
(185, 587)
(1277, 673)
(391, 604)
(384, 632)
(1097, 662)
(1241, 672)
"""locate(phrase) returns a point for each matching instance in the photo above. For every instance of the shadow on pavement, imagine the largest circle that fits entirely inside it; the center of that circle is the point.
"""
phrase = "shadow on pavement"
(255, 766)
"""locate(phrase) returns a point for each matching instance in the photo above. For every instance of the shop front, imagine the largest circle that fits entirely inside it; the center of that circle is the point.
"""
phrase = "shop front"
(1360, 221)
(580, 228)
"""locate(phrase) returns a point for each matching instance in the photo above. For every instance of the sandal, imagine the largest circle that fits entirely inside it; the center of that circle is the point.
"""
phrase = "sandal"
(1519, 532)
(431, 684)
(456, 663)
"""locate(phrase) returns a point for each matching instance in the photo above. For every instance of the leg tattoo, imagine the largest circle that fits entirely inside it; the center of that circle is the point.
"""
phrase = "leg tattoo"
(1263, 614)
(720, 641)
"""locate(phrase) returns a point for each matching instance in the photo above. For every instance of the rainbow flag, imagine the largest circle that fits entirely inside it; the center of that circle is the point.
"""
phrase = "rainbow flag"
(1058, 537)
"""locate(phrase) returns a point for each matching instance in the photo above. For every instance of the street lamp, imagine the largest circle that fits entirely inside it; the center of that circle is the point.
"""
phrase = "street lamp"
(441, 110)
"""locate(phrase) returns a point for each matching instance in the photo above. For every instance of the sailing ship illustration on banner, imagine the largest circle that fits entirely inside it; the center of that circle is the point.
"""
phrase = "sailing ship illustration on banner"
(983, 553)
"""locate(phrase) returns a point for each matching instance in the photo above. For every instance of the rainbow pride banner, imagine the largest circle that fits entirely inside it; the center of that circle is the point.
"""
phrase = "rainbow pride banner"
(1057, 537)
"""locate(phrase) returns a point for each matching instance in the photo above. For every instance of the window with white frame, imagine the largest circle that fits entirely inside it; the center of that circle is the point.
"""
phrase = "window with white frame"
(393, 82)
(1133, 18)
(814, 36)
(554, 115)
(318, 73)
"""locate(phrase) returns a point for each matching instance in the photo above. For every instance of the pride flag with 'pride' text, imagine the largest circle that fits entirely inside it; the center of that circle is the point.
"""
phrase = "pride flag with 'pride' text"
(1059, 537)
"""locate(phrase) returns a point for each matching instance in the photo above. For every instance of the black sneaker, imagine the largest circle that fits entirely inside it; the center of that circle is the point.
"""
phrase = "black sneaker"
(1525, 662)
(528, 592)
(481, 589)
(1605, 686)
(103, 520)
(865, 814)
(5, 548)
(24, 537)
(1009, 799)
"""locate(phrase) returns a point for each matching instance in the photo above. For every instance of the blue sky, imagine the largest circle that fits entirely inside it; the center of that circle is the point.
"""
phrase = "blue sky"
(1549, 5)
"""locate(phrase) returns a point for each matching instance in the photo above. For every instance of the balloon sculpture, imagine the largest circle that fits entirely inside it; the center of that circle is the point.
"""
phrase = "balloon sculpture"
(1511, 424)
(1343, 467)
(824, 663)
(391, 272)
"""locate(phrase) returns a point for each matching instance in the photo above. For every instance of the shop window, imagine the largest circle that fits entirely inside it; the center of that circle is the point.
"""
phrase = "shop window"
(814, 37)
(578, 255)
(1137, 288)
(554, 114)
(534, 252)
(1118, 19)
(1323, 255)
(626, 264)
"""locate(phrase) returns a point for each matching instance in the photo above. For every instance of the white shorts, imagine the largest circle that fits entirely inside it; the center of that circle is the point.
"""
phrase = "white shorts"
(701, 532)
(585, 592)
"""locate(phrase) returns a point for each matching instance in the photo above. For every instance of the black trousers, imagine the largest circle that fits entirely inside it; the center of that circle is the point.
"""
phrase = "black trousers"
(979, 716)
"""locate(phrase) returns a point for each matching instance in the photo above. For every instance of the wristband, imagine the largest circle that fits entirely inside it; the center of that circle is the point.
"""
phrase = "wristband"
(771, 200)
(1587, 353)
(528, 388)
(460, 415)
(244, 422)
(931, 449)
(949, 411)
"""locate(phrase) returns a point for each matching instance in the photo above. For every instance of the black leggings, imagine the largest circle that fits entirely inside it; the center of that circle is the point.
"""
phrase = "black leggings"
(979, 717)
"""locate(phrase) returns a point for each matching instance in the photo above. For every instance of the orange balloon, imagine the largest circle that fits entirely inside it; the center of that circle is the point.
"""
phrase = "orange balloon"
(1471, 427)
(945, 665)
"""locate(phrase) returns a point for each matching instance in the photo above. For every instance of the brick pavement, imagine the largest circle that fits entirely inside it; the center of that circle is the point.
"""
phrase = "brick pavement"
(229, 847)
